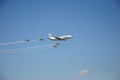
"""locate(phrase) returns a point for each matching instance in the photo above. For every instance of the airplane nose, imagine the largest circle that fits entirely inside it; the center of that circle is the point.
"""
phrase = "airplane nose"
(71, 36)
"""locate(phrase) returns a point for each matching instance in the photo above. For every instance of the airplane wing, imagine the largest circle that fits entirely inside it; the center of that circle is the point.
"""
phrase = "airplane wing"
(58, 38)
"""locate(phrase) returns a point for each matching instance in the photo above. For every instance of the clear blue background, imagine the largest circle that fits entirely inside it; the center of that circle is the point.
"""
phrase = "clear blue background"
(95, 25)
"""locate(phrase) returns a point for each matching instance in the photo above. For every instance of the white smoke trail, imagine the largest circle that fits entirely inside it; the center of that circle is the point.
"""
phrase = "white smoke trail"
(26, 48)
(9, 43)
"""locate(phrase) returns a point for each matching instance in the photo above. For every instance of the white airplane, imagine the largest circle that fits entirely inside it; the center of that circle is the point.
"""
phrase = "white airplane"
(59, 38)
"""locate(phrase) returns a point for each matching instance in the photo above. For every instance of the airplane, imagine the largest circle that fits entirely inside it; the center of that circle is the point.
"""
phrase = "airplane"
(40, 39)
(26, 40)
(59, 38)
(55, 45)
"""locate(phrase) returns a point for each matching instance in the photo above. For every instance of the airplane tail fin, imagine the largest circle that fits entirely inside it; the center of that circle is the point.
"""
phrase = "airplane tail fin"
(50, 35)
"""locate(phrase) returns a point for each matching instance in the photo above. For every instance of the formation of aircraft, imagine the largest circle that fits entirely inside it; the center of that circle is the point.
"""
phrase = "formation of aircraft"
(50, 37)
(54, 38)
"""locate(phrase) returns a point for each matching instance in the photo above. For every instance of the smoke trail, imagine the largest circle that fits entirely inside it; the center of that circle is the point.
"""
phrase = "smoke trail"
(26, 48)
(9, 43)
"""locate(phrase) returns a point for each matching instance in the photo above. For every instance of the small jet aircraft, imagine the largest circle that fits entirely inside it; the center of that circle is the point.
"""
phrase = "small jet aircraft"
(26, 40)
(59, 38)
(40, 39)
(55, 45)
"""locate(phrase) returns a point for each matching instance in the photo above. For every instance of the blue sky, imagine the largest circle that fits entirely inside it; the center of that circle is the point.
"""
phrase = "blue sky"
(95, 25)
